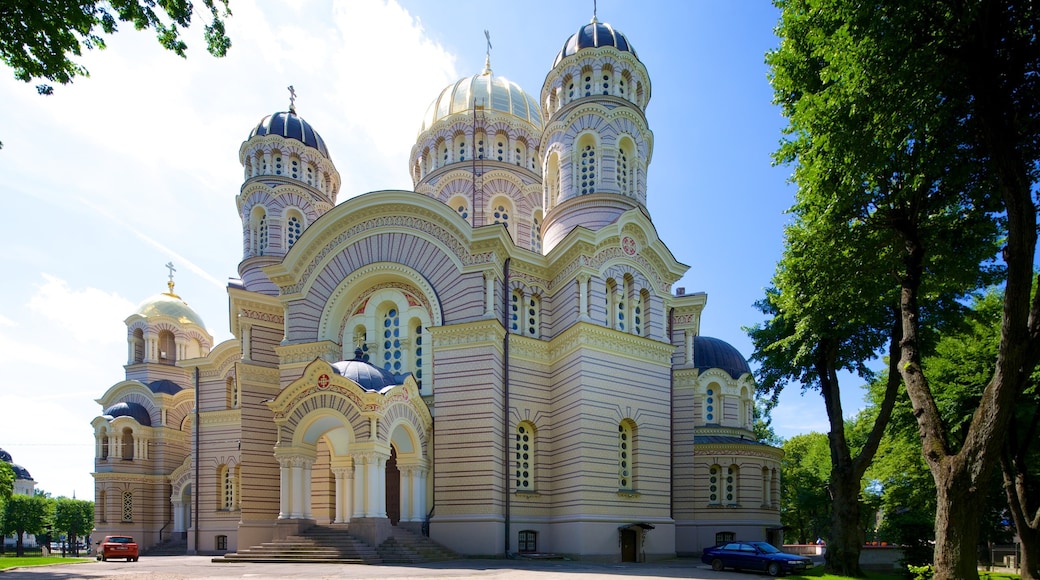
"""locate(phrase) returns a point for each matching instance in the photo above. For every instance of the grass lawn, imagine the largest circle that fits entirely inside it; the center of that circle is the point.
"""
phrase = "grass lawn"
(817, 572)
(15, 562)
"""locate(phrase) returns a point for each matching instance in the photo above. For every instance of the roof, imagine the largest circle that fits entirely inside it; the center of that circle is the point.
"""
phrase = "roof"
(594, 35)
(712, 353)
(289, 125)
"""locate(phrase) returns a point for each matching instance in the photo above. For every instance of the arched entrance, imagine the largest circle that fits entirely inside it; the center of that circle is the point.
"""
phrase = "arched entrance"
(393, 488)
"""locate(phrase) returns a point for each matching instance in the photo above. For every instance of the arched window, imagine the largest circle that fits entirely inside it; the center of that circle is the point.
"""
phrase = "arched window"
(626, 456)
(417, 341)
(710, 402)
(625, 169)
(460, 149)
(480, 145)
(605, 85)
(520, 154)
(294, 167)
(226, 480)
(536, 232)
(501, 209)
(525, 456)
(461, 206)
(714, 483)
(128, 444)
(732, 484)
(501, 140)
(277, 159)
(587, 164)
(515, 311)
(639, 313)
(138, 342)
(552, 181)
(534, 316)
(392, 352)
(586, 82)
(569, 83)
(293, 228)
(623, 82)
(128, 506)
(360, 340)
(309, 173)
(104, 443)
(442, 146)
(259, 241)
(167, 347)
(231, 390)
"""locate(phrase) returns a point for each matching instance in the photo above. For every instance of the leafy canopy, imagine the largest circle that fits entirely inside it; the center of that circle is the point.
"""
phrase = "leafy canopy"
(40, 38)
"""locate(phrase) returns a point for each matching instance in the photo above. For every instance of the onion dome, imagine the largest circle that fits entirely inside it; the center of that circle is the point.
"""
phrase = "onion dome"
(20, 472)
(364, 373)
(712, 353)
(289, 125)
(5, 456)
(169, 305)
(133, 410)
(492, 92)
(594, 35)
(164, 386)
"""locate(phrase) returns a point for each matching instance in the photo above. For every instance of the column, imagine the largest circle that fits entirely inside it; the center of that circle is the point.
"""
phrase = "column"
(247, 340)
(376, 496)
(307, 463)
(361, 469)
(688, 344)
(296, 500)
(583, 298)
(418, 489)
(344, 495)
(284, 488)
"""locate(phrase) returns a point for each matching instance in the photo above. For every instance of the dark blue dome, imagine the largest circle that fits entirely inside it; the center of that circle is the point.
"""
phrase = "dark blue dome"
(594, 35)
(5, 456)
(369, 376)
(133, 410)
(712, 353)
(20, 472)
(291, 126)
(165, 386)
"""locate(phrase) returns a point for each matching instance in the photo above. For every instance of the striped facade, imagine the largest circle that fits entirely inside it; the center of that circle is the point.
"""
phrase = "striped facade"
(497, 358)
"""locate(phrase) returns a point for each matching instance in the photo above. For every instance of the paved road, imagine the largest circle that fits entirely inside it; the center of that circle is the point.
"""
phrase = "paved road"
(179, 567)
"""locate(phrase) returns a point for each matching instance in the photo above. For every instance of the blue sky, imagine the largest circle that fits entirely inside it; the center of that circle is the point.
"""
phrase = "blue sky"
(117, 174)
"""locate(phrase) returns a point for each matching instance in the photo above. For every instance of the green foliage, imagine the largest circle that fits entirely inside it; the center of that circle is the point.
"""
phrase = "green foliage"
(25, 514)
(39, 38)
(74, 518)
(6, 483)
(763, 426)
(921, 572)
(805, 505)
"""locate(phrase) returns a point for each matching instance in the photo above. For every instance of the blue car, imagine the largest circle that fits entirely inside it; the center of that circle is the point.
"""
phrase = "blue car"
(754, 556)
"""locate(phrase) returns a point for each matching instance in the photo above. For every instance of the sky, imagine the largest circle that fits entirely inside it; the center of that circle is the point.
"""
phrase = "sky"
(117, 174)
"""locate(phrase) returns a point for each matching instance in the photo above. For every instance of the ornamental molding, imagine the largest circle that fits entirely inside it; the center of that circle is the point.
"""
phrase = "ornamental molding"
(257, 374)
(488, 332)
(358, 224)
(326, 350)
(528, 348)
(276, 319)
(414, 283)
(721, 450)
(111, 477)
(225, 417)
(615, 342)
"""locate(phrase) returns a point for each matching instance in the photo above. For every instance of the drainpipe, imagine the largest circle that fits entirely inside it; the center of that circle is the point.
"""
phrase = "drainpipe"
(505, 399)
(198, 448)
(671, 407)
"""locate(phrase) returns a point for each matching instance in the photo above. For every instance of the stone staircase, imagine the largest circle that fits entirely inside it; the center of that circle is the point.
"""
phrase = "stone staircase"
(405, 547)
(171, 547)
(319, 544)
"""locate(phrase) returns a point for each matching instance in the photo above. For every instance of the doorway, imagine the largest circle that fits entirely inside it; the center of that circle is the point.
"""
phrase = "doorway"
(393, 488)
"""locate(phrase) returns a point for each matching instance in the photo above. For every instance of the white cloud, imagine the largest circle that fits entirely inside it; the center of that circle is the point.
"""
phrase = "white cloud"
(7, 322)
(89, 315)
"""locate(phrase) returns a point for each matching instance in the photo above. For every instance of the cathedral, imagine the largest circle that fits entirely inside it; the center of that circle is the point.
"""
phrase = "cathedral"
(497, 359)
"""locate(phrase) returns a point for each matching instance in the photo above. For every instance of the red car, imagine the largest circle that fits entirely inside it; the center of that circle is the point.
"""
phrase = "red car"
(118, 547)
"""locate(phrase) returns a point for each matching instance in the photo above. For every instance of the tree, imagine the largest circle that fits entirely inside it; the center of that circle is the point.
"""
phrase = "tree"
(38, 39)
(920, 122)
(804, 504)
(25, 514)
(6, 482)
(74, 518)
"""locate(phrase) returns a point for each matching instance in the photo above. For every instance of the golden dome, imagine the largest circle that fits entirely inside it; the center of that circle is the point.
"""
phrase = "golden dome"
(494, 93)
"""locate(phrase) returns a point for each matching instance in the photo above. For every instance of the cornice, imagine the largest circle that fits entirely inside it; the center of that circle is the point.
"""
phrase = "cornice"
(467, 335)
(117, 477)
(590, 336)
(226, 417)
(306, 352)
(257, 374)
(532, 349)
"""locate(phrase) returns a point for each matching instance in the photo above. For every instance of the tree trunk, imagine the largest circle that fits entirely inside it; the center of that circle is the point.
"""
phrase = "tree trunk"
(957, 515)
(1013, 467)
(19, 548)
(846, 541)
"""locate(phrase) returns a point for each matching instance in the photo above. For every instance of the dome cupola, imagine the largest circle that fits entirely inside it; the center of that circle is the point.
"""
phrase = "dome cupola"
(289, 125)
(596, 147)
(477, 152)
(164, 329)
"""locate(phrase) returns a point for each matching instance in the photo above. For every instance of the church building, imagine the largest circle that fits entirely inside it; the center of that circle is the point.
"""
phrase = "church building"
(497, 359)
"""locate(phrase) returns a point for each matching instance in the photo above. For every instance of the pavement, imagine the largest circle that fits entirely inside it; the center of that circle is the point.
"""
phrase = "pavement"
(180, 567)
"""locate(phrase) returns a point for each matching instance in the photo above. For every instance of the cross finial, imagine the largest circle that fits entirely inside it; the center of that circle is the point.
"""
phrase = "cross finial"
(169, 266)
(292, 99)
(487, 55)
(594, 11)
